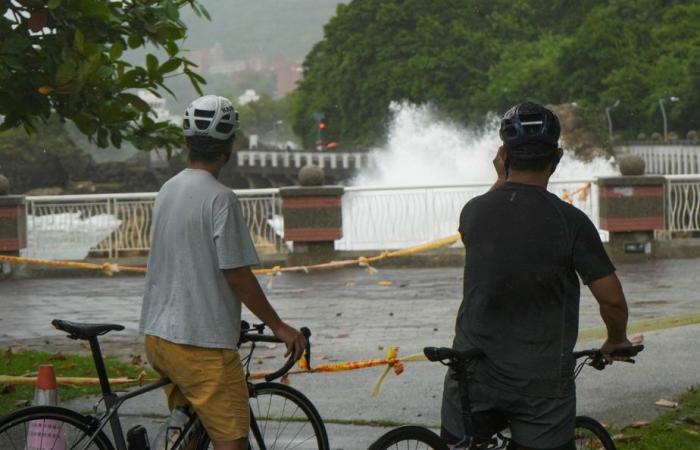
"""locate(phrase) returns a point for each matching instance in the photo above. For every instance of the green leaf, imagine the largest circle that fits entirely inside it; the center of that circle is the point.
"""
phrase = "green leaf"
(115, 52)
(102, 136)
(137, 102)
(116, 138)
(53, 4)
(204, 11)
(151, 63)
(172, 48)
(79, 40)
(65, 73)
(171, 10)
(105, 71)
(135, 41)
(169, 66)
(86, 124)
(97, 8)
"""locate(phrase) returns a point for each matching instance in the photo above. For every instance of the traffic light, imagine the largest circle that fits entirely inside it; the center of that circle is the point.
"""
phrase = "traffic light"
(321, 125)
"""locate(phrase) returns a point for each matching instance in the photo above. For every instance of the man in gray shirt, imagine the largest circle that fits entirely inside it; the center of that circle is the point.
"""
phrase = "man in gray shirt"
(198, 275)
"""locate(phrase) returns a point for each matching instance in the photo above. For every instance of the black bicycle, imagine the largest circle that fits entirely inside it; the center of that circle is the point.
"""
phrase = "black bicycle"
(281, 416)
(589, 433)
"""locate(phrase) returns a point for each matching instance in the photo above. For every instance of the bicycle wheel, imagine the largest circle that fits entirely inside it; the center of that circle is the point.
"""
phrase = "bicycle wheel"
(409, 437)
(285, 418)
(591, 435)
(49, 428)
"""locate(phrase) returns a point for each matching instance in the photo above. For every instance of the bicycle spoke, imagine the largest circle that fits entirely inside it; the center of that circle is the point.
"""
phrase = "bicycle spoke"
(287, 422)
(279, 423)
(303, 441)
(52, 432)
(294, 428)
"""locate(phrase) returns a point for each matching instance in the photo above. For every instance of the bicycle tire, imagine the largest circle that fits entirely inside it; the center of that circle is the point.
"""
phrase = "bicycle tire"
(275, 401)
(20, 429)
(409, 436)
(591, 435)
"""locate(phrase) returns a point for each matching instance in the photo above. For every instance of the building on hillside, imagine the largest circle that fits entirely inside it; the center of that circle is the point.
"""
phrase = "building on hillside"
(213, 61)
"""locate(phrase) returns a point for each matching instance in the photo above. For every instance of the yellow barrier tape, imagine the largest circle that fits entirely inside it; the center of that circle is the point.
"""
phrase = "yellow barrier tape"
(107, 268)
(110, 268)
(582, 192)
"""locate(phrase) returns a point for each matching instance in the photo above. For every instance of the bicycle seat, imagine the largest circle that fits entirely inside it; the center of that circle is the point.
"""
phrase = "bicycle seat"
(85, 330)
(443, 353)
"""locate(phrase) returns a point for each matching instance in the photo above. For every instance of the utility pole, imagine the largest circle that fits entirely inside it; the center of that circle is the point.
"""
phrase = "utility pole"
(607, 114)
(663, 113)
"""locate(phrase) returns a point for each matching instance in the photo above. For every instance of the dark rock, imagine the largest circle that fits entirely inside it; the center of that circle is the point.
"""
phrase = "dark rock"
(576, 135)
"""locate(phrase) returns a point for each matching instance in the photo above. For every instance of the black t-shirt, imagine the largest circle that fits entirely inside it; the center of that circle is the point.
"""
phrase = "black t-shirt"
(521, 293)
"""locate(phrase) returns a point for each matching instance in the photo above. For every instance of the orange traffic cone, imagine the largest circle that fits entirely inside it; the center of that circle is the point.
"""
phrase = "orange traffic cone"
(45, 434)
(46, 392)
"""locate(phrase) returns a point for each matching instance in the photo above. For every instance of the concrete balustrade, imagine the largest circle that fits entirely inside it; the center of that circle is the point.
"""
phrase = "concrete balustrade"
(342, 160)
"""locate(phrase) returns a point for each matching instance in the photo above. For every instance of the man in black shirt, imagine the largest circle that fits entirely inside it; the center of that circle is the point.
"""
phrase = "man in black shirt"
(525, 248)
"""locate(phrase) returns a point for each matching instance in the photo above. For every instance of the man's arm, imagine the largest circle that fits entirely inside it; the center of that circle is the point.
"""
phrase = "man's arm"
(613, 309)
(499, 163)
(243, 282)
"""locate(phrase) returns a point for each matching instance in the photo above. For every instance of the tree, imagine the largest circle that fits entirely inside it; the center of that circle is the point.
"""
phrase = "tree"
(65, 57)
(471, 57)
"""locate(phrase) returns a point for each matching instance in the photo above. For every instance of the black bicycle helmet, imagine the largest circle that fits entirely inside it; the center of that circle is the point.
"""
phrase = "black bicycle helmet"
(529, 123)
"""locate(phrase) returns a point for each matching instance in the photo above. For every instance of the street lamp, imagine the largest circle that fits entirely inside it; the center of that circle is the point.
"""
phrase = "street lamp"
(663, 113)
(607, 114)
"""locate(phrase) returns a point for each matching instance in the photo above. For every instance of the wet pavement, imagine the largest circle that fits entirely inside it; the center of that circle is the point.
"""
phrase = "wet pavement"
(357, 316)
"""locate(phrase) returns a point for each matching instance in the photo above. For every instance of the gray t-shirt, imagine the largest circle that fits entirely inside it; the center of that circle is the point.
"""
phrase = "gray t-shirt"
(197, 231)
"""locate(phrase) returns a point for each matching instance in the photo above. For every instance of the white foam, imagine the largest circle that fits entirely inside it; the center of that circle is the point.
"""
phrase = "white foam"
(423, 149)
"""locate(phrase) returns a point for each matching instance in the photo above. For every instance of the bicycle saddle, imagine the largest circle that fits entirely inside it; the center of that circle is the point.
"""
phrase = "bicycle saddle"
(443, 353)
(85, 330)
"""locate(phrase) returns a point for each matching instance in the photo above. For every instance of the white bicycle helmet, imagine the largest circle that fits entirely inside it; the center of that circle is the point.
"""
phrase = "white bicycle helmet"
(211, 116)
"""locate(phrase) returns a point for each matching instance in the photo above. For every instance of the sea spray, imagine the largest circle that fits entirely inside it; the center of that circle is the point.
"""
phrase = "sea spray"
(424, 149)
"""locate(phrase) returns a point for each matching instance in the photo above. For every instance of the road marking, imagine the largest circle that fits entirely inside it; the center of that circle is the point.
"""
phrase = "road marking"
(656, 324)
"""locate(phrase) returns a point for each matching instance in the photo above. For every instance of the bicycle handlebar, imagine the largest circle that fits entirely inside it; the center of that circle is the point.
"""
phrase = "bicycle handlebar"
(254, 334)
(599, 362)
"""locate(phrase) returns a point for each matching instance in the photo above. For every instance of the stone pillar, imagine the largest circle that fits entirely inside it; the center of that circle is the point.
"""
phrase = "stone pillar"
(13, 223)
(631, 208)
(312, 218)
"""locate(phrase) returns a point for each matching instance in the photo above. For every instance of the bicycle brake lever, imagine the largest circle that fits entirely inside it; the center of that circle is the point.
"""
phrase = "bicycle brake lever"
(307, 334)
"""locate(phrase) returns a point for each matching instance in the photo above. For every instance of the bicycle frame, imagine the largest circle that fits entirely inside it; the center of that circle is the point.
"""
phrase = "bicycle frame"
(113, 402)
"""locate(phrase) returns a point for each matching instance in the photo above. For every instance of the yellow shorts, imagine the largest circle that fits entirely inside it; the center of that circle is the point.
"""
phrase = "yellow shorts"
(210, 380)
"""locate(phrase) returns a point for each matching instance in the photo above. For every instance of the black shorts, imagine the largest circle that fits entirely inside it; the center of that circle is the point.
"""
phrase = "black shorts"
(536, 423)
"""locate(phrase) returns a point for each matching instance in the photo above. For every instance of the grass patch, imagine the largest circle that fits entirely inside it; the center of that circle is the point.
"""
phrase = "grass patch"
(66, 365)
(678, 429)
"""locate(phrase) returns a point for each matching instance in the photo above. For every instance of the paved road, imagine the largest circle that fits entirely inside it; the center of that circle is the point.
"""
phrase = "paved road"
(353, 315)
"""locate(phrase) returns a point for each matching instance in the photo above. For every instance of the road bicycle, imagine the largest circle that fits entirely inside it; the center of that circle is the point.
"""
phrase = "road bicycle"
(589, 433)
(281, 416)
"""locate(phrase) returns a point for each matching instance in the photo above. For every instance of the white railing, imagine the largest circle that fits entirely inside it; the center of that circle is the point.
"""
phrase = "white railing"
(665, 159)
(72, 226)
(683, 203)
(397, 217)
(295, 159)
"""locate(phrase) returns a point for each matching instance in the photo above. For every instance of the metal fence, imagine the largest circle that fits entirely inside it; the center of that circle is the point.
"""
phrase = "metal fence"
(683, 203)
(666, 159)
(73, 226)
(397, 217)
